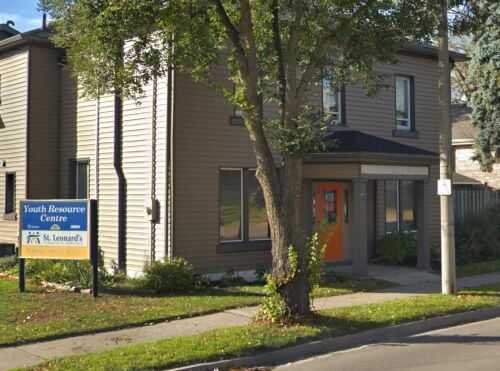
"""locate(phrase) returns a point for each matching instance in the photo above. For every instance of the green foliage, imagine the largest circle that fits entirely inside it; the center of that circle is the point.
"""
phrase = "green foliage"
(231, 278)
(397, 248)
(316, 254)
(261, 272)
(478, 237)
(68, 272)
(7, 263)
(169, 276)
(273, 308)
(484, 75)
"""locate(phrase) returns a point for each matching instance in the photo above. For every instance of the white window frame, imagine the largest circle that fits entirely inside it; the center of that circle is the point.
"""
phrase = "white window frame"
(398, 209)
(409, 98)
(338, 113)
(242, 211)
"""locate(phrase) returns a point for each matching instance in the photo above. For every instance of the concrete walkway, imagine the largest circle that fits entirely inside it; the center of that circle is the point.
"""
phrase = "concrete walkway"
(31, 354)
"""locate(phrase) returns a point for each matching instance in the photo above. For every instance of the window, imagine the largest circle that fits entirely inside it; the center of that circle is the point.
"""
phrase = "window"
(10, 193)
(258, 227)
(332, 103)
(400, 206)
(404, 103)
(243, 215)
(79, 184)
(231, 215)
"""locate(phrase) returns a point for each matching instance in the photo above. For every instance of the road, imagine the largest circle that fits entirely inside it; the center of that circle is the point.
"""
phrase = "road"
(474, 346)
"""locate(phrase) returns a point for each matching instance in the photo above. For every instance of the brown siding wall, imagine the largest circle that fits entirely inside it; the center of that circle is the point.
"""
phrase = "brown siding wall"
(205, 142)
(14, 117)
(43, 125)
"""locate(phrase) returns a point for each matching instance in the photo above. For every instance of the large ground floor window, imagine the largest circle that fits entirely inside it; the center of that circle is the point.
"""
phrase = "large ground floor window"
(400, 204)
(242, 209)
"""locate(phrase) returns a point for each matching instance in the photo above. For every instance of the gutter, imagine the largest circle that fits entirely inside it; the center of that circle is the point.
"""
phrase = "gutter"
(169, 197)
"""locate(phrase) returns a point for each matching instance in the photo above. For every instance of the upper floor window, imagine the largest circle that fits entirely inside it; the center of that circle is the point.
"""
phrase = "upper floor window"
(332, 102)
(404, 103)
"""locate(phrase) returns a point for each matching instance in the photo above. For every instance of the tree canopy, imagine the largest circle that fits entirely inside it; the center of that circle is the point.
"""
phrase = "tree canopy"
(274, 50)
(484, 75)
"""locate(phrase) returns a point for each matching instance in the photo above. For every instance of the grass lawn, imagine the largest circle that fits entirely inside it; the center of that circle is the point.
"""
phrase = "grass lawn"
(474, 269)
(239, 341)
(41, 315)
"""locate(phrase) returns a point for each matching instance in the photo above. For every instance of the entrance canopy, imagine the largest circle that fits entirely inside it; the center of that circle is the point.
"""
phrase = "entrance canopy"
(353, 154)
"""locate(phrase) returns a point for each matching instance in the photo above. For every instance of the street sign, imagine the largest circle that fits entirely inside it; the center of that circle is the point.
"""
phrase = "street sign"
(55, 229)
(444, 187)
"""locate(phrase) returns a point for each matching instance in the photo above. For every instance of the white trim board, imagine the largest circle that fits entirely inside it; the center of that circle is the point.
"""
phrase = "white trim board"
(394, 170)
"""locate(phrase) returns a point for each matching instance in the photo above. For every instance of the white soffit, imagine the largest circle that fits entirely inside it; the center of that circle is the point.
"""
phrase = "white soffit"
(394, 170)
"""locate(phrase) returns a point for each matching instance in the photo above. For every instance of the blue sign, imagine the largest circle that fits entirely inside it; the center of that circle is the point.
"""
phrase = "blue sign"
(54, 229)
(54, 215)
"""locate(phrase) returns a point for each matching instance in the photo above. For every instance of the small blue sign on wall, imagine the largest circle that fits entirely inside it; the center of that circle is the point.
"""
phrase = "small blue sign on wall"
(54, 229)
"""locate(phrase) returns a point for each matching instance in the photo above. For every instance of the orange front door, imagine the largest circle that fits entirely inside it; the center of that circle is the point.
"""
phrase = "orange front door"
(329, 221)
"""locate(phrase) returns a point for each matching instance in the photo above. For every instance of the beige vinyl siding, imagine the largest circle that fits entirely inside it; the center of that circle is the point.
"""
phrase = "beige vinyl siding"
(78, 141)
(43, 125)
(137, 159)
(13, 112)
(204, 143)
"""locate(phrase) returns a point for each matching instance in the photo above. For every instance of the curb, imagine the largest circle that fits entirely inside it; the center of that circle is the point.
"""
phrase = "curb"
(328, 345)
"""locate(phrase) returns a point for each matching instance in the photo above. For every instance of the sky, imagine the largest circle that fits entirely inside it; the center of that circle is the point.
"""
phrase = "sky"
(23, 12)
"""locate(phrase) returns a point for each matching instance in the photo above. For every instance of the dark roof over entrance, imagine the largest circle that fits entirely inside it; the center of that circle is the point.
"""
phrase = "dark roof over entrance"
(352, 141)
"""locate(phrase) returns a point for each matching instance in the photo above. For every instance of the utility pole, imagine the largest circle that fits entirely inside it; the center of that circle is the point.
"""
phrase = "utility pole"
(448, 274)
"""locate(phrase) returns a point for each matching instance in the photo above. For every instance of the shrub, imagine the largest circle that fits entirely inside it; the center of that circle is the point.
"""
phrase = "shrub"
(478, 237)
(171, 275)
(8, 263)
(397, 248)
(67, 272)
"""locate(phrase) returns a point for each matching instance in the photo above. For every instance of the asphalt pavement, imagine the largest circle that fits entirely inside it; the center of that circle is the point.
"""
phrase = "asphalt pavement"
(474, 346)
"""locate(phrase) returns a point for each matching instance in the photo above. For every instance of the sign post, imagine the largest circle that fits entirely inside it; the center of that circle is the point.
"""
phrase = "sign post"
(58, 229)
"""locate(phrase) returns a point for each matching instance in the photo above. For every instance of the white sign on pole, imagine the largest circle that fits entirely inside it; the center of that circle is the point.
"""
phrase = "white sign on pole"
(444, 187)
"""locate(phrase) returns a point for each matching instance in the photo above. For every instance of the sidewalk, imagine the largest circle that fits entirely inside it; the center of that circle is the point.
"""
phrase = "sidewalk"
(31, 354)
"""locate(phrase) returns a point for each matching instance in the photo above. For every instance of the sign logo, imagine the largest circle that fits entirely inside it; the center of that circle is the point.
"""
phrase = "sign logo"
(54, 229)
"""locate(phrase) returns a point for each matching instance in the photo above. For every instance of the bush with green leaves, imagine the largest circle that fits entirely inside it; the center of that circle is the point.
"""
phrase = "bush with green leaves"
(478, 237)
(172, 275)
(397, 248)
(76, 273)
(8, 263)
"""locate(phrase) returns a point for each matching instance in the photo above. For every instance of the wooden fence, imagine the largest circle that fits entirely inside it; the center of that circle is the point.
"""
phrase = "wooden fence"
(472, 200)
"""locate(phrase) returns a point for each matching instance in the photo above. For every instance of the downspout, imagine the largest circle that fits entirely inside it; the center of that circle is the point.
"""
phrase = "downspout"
(169, 197)
(98, 143)
(153, 201)
(122, 183)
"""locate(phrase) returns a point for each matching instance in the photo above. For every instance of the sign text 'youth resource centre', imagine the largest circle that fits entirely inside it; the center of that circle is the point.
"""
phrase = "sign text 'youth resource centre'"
(54, 229)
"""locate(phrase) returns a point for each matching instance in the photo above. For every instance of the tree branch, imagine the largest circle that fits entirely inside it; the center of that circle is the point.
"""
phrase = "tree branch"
(279, 52)
(232, 32)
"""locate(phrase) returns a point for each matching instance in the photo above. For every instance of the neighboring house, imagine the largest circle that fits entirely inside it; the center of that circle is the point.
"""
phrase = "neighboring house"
(174, 176)
(475, 189)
